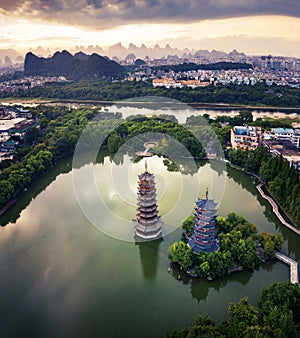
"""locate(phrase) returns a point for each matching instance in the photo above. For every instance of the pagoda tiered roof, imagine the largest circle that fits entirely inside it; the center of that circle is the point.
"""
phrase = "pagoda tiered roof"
(206, 205)
(147, 223)
(203, 238)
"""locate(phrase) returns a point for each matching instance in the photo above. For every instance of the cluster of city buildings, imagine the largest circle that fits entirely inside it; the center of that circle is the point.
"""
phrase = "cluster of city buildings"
(173, 79)
(169, 82)
(24, 83)
(281, 71)
(14, 123)
(204, 57)
(283, 142)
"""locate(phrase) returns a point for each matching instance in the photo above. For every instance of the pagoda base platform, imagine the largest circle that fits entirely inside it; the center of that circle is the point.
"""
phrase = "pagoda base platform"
(149, 231)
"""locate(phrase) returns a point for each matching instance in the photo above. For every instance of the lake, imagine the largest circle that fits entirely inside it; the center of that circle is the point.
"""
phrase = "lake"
(182, 111)
(67, 273)
(154, 105)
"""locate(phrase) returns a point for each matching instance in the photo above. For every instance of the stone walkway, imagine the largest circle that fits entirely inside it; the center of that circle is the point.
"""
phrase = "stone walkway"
(293, 266)
(275, 209)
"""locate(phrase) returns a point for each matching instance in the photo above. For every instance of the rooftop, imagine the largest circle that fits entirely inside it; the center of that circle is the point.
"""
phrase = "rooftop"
(207, 204)
(283, 130)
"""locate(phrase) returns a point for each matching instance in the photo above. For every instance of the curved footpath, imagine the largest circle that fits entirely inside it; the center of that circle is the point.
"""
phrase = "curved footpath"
(293, 266)
(275, 209)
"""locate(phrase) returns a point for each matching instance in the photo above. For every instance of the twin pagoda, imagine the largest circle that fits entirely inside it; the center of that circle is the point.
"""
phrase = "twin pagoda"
(147, 224)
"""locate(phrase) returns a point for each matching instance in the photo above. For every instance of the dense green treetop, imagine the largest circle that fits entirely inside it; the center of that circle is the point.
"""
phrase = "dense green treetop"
(184, 67)
(277, 315)
(257, 95)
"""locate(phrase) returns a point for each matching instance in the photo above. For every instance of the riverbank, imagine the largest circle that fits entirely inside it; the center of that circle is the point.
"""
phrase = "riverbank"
(7, 206)
(136, 102)
(276, 209)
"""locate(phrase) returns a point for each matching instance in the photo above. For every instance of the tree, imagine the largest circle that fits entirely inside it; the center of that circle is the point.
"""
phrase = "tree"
(181, 253)
(17, 179)
(242, 316)
(246, 116)
(205, 267)
(6, 191)
(113, 142)
(203, 326)
(222, 224)
(188, 225)
(31, 135)
(270, 244)
(63, 146)
(285, 296)
(279, 321)
(275, 317)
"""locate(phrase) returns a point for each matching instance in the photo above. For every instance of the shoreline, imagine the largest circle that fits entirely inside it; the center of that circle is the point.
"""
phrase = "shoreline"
(275, 207)
(195, 105)
(7, 206)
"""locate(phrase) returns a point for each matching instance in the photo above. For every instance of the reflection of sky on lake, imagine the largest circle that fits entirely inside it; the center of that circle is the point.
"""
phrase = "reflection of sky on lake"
(117, 195)
(182, 114)
(61, 276)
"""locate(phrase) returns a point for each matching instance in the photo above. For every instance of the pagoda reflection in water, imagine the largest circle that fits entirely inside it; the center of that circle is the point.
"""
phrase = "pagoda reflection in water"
(204, 238)
(147, 224)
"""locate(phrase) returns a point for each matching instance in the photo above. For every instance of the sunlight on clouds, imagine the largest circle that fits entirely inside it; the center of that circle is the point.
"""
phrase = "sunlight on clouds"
(22, 34)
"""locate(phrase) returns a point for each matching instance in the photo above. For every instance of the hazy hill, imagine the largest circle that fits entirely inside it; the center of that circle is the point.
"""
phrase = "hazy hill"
(79, 66)
(119, 52)
(12, 54)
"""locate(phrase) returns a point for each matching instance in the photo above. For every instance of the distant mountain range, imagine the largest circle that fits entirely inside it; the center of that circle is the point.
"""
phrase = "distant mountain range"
(77, 67)
(10, 56)
(118, 52)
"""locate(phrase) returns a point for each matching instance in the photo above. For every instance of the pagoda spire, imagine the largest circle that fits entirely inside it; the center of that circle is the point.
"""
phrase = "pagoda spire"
(147, 224)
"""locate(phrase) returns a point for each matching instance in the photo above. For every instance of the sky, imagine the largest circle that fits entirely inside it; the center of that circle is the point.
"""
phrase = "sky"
(256, 27)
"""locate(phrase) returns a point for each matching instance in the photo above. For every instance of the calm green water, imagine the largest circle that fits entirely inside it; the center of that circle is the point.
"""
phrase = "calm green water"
(62, 277)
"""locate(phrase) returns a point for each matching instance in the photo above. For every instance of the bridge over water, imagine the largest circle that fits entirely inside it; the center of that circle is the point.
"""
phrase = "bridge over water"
(293, 266)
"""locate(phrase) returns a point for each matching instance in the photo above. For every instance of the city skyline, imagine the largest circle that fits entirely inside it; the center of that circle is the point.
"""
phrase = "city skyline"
(251, 27)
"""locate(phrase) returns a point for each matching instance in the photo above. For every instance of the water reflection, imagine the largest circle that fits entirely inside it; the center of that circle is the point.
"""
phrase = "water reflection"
(243, 179)
(184, 165)
(200, 288)
(61, 276)
(216, 166)
(24, 198)
(149, 255)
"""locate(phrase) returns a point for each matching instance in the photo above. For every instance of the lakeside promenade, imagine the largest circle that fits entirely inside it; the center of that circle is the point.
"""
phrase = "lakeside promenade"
(275, 209)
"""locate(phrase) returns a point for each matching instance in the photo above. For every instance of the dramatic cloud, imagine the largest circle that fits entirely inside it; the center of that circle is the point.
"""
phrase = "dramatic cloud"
(8, 5)
(101, 14)
(255, 26)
